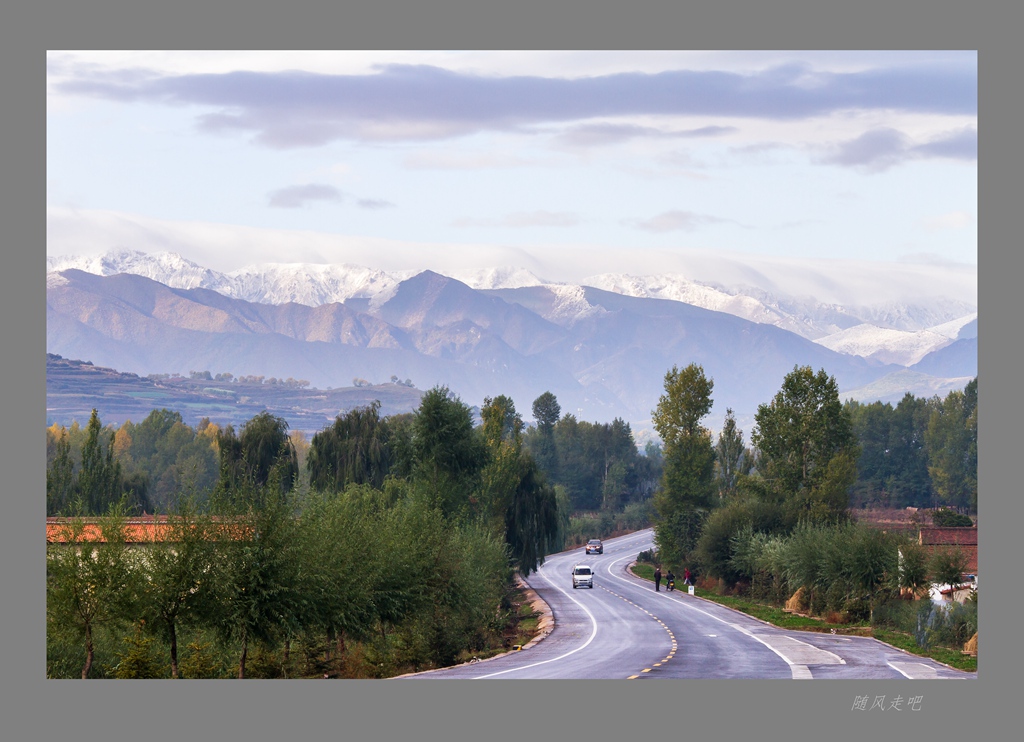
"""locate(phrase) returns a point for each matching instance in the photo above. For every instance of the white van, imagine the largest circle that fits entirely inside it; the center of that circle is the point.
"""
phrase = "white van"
(582, 576)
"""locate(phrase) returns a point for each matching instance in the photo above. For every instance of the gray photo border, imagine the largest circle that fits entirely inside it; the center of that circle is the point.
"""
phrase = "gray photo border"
(34, 708)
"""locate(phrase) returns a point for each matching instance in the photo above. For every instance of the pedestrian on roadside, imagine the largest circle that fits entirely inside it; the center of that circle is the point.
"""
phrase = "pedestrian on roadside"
(686, 577)
(657, 579)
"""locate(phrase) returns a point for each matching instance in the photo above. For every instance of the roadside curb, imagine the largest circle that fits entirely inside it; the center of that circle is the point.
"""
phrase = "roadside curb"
(545, 625)
(546, 622)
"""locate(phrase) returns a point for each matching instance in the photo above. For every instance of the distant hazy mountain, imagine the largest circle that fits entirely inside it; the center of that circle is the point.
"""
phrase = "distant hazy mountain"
(959, 358)
(603, 349)
(893, 387)
(610, 362)
(313, 285)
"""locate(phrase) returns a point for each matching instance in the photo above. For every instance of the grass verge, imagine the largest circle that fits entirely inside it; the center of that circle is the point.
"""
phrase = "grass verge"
(777, 617)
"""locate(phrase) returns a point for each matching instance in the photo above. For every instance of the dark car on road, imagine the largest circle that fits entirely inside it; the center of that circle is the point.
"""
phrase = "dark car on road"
(594, 546)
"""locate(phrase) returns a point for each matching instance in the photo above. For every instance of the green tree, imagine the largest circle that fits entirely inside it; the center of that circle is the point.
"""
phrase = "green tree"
(952, 440)
(546, 411)
(448, 454)
(516, 497)
(60, 477)
(947, 567)
(90, 579)
(354, 450)
(912, 568)
(177, 588)
(872, 427)
(909, 481)
(336, 548)
(261, 454)
(807, 451)
(258, 583)
(687, 490)
(99, 479)
(732, 459)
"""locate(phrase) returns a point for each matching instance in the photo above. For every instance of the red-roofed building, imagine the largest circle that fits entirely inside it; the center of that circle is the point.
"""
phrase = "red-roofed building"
(966, 539)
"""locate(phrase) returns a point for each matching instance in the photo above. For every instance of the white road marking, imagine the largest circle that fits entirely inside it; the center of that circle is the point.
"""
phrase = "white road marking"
(914, 670)
(799, 671)
(560, 657)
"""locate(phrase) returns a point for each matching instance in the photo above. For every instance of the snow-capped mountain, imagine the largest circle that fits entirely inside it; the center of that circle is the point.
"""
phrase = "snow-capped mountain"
(892, 332)
(885, 345)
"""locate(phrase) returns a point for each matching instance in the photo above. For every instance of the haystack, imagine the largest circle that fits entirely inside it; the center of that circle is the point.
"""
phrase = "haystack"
(797, 602)
(971, 647)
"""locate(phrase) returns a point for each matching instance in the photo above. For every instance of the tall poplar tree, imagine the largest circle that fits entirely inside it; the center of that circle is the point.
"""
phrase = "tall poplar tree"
(687, 492)
(807, 449)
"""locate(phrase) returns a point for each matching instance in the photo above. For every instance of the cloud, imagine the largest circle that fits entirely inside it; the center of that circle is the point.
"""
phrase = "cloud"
(294, 197)
(593, 135)
(420, 102)
(883, 148)
(374, 203)
(523, 219)
(957, 145)
(227, 247)
(675, 221)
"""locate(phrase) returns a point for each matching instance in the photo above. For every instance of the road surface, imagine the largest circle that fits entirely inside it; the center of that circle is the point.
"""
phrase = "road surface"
(622, 628)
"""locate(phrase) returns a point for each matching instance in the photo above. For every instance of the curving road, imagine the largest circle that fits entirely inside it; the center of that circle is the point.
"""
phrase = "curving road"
(622, 628)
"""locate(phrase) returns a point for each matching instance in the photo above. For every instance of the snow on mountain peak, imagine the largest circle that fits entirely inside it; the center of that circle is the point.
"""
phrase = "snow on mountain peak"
(900, 333)
(884, 344)
(505, 277)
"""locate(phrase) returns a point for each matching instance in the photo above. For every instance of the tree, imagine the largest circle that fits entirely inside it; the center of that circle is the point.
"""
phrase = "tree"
(913, 568)
(952, 440)
(546, 411)
(99, 479)
(178, 588)
(946, 518)
(947, 567)
(448, 454)
(908, 480)
(731, 457)
(806, 446)
(60, 476)
(354, 450)
(516, 496)
(687, 489)
(90, 580)
(338, 557)
(256, 574)
(261, 454)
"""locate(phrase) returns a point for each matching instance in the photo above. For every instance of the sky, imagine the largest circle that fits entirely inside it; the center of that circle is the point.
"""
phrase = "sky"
(713, 165)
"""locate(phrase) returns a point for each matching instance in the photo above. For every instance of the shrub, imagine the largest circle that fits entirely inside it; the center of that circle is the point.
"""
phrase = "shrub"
(650, 556)
(946, 518)
(139, 659)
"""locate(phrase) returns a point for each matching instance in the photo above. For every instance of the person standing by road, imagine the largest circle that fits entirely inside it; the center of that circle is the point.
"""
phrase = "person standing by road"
(686, 577)
(657, 579)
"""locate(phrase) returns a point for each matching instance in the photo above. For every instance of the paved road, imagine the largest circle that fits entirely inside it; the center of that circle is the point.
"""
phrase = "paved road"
(622, 628)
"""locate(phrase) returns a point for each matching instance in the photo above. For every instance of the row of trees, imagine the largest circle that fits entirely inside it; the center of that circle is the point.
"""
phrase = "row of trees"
(426, 515)
(921, 453)
(798, 473)
(267, 572)
(597, 464)
(585, 467)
